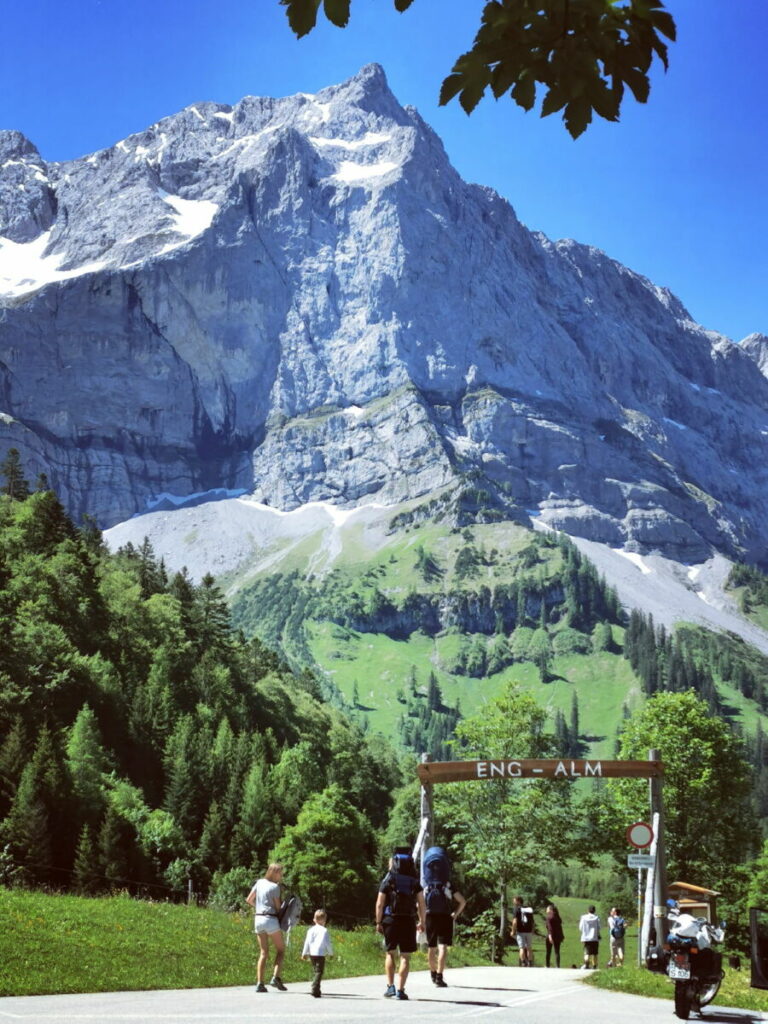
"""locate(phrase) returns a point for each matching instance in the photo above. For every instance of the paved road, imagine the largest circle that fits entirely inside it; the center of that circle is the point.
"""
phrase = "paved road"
(536, 996)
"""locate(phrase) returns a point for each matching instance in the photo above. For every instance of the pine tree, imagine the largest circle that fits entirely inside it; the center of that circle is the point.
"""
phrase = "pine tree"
(87, 762)
(112, 849)
(434, 695)
(27, 830)
(574, 726)
(85, 870)
(15, 485)
(14, 754)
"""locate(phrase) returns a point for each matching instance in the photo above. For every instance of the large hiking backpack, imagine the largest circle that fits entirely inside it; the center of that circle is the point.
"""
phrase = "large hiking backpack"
(402, 862)
(401, 894)
(618, 928)
(402, 885)
(436, 869)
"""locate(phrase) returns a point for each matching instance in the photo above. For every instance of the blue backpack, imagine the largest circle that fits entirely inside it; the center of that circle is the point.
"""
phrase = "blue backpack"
(402, 885)
(436, 869)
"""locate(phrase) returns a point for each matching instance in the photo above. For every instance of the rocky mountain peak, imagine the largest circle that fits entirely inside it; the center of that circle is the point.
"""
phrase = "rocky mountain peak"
(301, 298)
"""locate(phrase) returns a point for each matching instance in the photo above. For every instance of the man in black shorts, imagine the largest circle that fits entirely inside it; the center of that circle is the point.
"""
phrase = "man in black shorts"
(399, 902)
(440, 936)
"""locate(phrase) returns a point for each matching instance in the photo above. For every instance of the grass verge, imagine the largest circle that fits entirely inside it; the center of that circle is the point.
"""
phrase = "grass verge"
(735, 990)
(59, 943)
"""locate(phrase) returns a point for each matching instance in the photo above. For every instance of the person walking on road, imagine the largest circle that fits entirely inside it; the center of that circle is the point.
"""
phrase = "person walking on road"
(589, 932)
(521, 931)
(398, 905)
(444, 904)
(440, 938)
(555, 934)
(264, 897)
(617, 926)
(317, 946)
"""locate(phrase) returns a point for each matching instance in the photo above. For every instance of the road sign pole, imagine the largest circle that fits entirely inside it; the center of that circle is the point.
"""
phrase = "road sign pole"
(639, 914)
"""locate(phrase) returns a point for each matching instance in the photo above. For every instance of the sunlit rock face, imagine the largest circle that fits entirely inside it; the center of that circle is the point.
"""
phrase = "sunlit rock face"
(301, 298)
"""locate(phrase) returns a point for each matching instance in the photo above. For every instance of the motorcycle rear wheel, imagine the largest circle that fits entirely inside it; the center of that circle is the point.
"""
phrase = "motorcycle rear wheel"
(708, 992)
(683, 999)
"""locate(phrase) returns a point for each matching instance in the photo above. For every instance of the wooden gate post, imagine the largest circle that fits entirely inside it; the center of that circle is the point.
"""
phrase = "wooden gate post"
(427, 824)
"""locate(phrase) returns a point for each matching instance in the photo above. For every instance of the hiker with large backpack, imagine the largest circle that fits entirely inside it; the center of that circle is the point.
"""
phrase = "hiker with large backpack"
(399, 904)
(444, 905)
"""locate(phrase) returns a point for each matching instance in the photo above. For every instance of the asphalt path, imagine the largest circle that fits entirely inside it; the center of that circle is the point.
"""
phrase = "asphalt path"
(530, 996)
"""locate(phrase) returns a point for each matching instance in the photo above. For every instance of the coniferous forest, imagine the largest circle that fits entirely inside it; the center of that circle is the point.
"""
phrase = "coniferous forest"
(145, 744)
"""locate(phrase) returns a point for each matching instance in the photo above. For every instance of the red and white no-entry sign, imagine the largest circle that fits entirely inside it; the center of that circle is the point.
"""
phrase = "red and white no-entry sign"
(640, 835)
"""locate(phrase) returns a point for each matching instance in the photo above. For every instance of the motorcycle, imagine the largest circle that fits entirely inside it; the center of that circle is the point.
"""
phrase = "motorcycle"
(691, 962)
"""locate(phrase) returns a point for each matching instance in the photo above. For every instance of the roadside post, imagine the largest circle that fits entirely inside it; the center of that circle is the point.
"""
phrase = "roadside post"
(639, 835)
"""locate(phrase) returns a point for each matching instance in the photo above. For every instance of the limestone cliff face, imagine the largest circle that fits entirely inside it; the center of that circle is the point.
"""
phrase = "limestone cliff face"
(300, 297)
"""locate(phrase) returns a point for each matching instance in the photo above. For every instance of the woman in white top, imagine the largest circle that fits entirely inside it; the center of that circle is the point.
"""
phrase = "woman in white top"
(264, 897)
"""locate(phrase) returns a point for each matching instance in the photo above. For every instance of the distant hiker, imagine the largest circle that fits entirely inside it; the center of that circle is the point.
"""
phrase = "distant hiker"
(617, 927)
(521, 931)
(399, 903)
(555, 934)
(317, 946)
(589, 932)
(264, 897)
(439, 899)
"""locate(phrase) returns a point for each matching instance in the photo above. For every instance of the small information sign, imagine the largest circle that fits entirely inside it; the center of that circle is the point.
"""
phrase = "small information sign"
(639, 860)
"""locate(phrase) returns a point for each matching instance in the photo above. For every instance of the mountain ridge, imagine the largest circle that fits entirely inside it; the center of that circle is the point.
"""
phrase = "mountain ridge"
(301, 298)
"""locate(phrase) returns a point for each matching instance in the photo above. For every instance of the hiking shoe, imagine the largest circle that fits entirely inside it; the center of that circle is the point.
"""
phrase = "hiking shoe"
(440, 982)
(391, 991)
(277, 983)
(433, 975)
(316, 995)
(261, 987)
(401, 994)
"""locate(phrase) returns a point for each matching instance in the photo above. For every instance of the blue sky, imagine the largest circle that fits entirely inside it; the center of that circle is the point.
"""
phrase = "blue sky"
(676, 190)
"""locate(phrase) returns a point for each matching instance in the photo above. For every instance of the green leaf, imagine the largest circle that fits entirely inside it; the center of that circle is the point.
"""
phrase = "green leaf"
(451, 85)
(505, 75)
(638, 83)
(578, 114)
(524, 93)
(554, 100)
(472, 93)
(337, 12)
(302, 15)
(664, 23)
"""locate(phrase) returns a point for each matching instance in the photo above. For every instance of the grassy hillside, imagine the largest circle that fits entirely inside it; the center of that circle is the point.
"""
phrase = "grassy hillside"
(465, 609)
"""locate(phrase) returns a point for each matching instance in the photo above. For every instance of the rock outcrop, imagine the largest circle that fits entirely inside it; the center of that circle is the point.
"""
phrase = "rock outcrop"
(300, 297)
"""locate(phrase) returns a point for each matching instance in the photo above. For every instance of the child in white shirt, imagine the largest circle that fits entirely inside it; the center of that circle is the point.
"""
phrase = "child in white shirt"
(317, 946)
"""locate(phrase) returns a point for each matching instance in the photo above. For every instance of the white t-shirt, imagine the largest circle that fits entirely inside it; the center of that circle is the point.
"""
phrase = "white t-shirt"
(317, 942)
(266, 894)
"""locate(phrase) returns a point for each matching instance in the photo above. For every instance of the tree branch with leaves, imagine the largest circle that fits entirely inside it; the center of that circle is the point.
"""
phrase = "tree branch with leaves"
(581, 54)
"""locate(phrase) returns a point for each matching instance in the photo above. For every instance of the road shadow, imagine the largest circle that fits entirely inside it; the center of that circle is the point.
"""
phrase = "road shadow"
(496, 988)
(415, 999)
(718, 1016)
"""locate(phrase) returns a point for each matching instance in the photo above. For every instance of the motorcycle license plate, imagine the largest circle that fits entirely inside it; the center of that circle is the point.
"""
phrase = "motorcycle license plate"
(679, 973)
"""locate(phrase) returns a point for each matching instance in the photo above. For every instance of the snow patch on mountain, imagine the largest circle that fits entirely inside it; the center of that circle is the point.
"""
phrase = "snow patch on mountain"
(25, 267)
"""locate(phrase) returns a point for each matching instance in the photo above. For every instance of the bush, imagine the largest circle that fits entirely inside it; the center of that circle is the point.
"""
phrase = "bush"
(229, 889)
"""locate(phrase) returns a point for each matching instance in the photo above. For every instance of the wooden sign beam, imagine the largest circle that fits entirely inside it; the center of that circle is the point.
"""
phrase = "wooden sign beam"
(527, 768)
